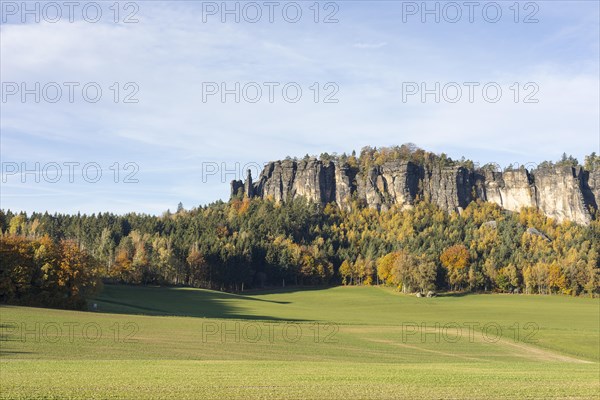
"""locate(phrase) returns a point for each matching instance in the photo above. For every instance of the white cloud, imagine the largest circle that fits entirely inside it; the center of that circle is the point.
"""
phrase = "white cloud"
(170, 53)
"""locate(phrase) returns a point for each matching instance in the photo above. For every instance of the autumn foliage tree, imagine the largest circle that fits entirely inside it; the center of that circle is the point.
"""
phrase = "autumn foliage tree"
(456, 260)
(407, 272)
(43, 272)
(199, 271)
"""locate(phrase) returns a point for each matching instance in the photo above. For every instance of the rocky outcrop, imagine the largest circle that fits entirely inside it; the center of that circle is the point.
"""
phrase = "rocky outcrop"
(315, 180)
(560, 194)
(402, 182)
(285, 180)
(591, 188)
(237, 188)
(345, 185)
(450, 187)
(511, 190)
(276, 181)
(246, 188)
(563, 193)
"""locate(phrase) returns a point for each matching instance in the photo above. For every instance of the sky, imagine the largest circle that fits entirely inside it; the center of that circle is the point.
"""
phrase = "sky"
(142, 105)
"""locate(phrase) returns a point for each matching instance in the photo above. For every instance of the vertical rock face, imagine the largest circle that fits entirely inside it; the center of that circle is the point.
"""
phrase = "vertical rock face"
(394, 183)
(511, 190)
(315, 181)
(236, 186)
(450, 188)
(371, 188)
(345, 185)
(402, 182)
(248, 187)
(560, 193)
(288, 179)
(591, 188)
(277, 180)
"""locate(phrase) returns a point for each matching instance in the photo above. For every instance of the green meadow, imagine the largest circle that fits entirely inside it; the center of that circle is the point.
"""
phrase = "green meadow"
(343, 342)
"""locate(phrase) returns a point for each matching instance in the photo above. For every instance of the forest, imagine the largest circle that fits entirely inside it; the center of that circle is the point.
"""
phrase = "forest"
(247, 243)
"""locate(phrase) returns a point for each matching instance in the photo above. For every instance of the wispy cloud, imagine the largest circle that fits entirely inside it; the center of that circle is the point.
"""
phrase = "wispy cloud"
(170, 132)
(370, 45)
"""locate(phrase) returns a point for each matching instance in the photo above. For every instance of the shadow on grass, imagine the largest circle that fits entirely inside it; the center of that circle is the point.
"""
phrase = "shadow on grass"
(5, 353)
(454, 294)
(289, 289)
(187, 302)
(465, 294)
(7, 335)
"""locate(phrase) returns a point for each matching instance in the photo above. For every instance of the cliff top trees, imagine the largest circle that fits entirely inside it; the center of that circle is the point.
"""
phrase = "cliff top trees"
(592, 162)
(567, 161)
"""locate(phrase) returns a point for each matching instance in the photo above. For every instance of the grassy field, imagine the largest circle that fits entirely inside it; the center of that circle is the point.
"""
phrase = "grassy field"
(345, 342)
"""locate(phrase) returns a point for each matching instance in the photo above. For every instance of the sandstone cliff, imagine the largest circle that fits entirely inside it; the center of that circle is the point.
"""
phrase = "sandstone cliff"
(511, 190)
(563, 193)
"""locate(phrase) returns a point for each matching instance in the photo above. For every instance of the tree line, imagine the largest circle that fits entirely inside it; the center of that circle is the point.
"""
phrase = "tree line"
(255, 243)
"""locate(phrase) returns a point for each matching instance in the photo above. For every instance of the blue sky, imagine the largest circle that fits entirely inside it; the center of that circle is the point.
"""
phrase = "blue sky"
(370, 54)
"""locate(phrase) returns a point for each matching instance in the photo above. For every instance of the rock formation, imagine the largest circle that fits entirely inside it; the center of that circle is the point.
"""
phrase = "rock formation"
(563, 193)
(511, 190)
(559, 194)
